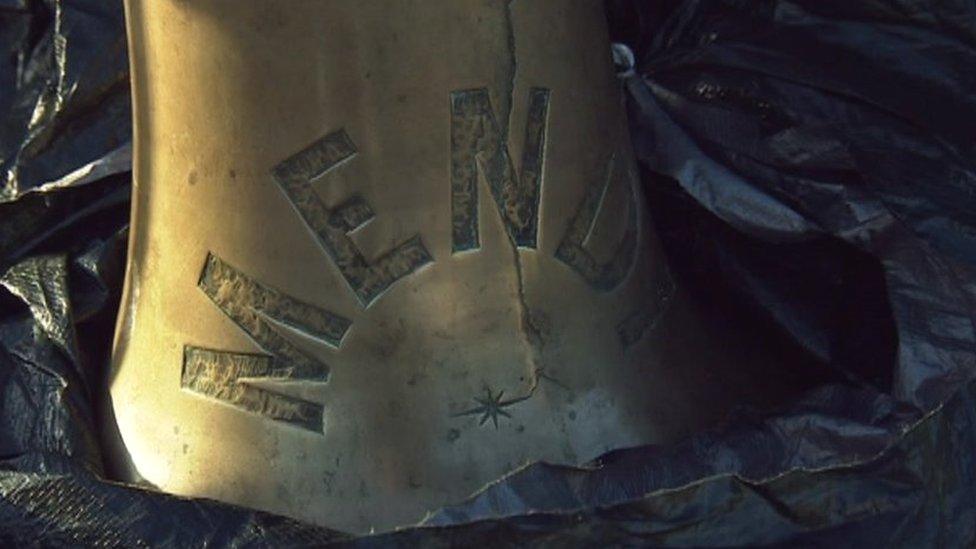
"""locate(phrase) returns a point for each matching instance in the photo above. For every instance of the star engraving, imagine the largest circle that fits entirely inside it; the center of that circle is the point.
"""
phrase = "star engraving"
(491, 406)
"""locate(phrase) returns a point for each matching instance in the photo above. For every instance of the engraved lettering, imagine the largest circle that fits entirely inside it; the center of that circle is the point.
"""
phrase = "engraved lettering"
(256, 309)
(571, 251)
(217, 375)
(332, 226)
(646, 319)
(477, 145)
(263, 313)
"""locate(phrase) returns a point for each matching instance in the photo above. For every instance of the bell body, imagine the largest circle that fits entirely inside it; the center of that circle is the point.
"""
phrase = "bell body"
(383, 253)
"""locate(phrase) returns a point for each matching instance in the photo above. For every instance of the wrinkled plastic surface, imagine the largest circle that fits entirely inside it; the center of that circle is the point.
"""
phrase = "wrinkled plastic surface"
(810, 167)
(65, 97)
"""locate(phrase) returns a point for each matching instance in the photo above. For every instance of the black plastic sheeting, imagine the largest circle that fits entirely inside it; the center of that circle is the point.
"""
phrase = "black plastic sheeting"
(811, 166)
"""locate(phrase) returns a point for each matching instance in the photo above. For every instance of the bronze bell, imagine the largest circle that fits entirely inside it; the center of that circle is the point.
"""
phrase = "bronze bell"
(384, 252)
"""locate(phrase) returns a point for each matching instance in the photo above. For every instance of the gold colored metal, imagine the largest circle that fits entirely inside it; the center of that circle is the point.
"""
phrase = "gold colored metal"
(384, 252)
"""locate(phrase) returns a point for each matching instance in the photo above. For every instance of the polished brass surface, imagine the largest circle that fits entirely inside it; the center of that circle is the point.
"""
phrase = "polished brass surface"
(386, 251)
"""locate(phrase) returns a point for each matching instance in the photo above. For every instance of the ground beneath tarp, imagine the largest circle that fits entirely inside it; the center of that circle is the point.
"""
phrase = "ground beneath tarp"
(811, 167)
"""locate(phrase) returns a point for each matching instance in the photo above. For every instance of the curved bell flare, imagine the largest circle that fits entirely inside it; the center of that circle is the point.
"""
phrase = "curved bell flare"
(383, 253)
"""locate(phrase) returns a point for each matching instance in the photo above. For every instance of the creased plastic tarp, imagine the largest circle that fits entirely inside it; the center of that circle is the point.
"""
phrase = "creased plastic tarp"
(64, 98)
(810, 168)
